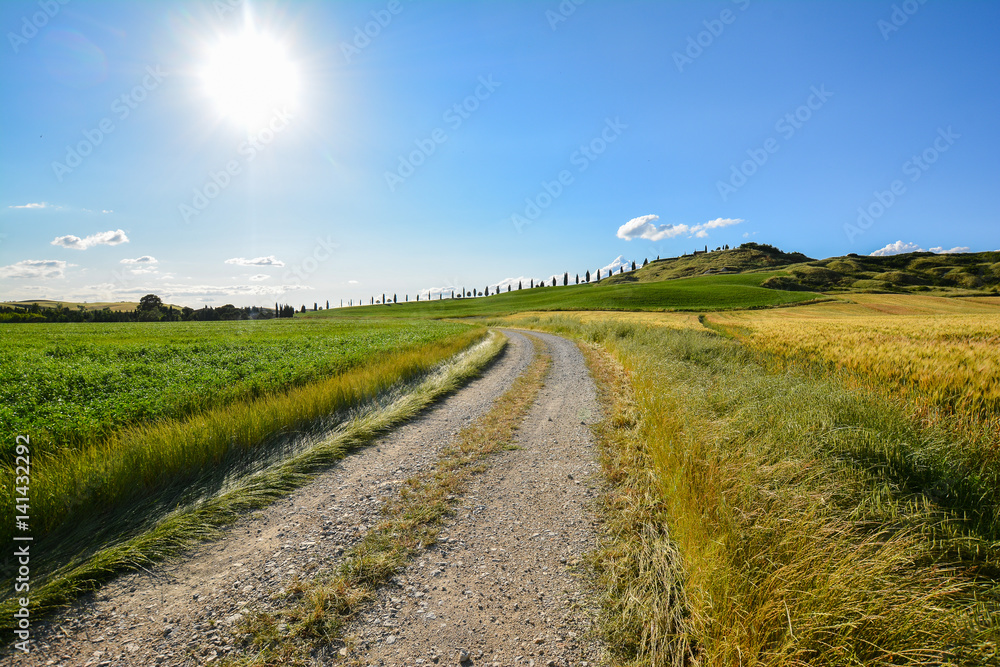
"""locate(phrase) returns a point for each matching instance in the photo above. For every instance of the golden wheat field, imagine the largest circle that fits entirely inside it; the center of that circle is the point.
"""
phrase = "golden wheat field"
(943, 352)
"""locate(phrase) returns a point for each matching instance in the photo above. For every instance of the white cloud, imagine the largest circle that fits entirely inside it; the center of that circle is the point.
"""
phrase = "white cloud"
(897, 248)
(174, 290)
(643, 228)
(35, 268)
(900, 247)
(34, 205)
(102, 238)
(719, 223)
(352, 282)
(259, 277)
(270, 260)
(616, 264)
(145, 259)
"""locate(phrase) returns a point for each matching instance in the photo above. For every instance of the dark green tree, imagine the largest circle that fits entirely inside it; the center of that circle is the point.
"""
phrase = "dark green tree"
(150, 302)
(587, 277)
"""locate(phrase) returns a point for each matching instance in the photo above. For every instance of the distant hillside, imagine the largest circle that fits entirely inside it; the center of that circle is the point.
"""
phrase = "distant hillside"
(748, 257)
(910, 272)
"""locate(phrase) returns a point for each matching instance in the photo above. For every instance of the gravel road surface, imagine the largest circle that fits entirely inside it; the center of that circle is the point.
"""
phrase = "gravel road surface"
(499, 588)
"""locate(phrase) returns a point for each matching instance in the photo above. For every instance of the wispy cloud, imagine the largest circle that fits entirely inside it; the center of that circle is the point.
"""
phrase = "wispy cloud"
(644, 227)
(175, 290)
(615, 265)
(701, 231)
(115, 237)
(270, 260)
(36, 269)
(145, 259)
(259, 277)
(35, 205)
(900, 247)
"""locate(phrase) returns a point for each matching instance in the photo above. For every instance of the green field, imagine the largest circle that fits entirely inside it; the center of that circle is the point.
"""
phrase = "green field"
(144, 437)
(689, 294)
(71, 385)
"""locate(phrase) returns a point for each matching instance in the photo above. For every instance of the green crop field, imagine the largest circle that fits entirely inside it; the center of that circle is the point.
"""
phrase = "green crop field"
(134, 427)
(725, 292)
(70, 385)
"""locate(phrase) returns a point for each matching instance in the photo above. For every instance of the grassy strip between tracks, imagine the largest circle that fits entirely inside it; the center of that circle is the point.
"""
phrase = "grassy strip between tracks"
(202, 520)
(779, 518)
(313, 616)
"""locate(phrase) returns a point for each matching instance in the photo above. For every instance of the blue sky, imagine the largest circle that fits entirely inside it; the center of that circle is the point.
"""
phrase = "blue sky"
(464, 143)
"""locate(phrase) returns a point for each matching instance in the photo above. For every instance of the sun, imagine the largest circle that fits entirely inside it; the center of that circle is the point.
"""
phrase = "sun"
(250, 77)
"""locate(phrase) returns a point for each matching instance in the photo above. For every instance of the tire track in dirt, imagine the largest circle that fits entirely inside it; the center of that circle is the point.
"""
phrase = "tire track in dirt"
(183, 613)
(499, 586)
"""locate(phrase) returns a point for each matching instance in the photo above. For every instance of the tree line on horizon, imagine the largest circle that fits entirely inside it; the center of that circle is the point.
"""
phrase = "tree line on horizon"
(152, 309)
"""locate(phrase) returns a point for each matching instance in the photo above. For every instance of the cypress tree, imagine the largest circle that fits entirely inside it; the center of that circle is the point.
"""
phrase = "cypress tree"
(587, 279)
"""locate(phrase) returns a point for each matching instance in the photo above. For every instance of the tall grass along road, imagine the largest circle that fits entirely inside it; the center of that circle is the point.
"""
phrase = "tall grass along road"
(193, 609)
(777, 517)
(149, 491)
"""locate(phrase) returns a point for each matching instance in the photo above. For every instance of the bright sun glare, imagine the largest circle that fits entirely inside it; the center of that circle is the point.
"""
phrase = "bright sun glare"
(249, 77)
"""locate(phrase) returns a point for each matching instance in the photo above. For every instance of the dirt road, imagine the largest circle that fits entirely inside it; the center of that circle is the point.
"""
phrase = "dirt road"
(498, 588)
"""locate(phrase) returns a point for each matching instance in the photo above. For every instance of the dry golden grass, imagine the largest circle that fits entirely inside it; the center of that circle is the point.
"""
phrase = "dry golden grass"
(756, 517)
(943, 354)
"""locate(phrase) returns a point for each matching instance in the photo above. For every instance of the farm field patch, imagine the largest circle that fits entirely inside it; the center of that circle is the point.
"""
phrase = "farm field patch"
(71, 385)
(942, 352)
